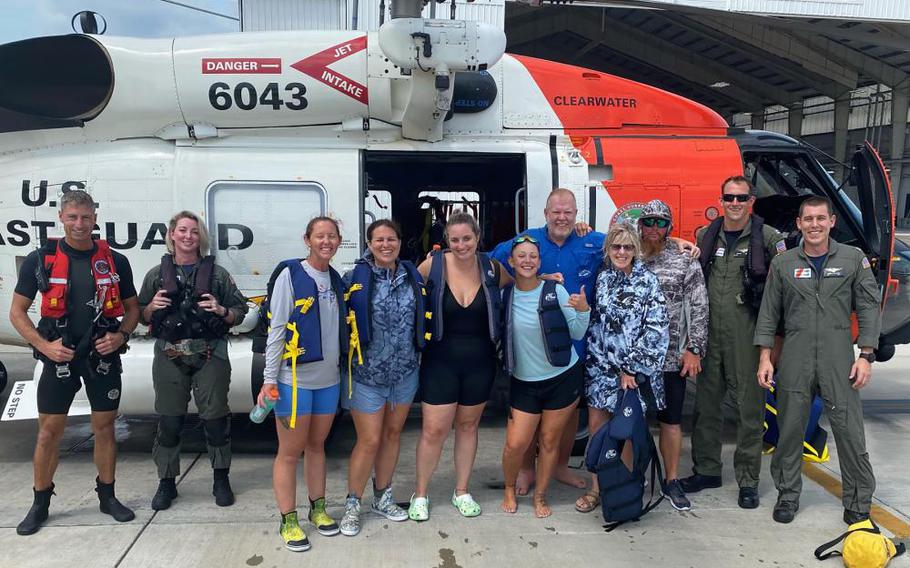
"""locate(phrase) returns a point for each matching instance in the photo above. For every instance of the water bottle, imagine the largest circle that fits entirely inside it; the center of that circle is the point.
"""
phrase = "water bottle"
(259, 413)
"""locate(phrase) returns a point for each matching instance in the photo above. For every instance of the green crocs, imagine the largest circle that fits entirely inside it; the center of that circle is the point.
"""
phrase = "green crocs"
(419, 509)
(466, 505)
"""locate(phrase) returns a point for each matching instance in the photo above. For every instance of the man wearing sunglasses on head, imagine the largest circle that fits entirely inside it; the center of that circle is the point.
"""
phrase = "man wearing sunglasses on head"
(683, 286)
(736, 250)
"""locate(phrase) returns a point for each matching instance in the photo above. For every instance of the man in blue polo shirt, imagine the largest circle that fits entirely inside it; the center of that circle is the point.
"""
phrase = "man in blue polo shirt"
(577, 259)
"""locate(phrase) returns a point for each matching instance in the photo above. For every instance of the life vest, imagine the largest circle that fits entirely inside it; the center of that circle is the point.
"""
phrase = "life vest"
(553, 327)
(57, 266)
(622, 490)
(360, 300)
(755, 269)
(183, 319)
(303, 333)
(436, 284)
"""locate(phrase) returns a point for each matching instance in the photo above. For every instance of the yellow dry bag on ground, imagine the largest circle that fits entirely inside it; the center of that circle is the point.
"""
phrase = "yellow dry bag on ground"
(864, 547)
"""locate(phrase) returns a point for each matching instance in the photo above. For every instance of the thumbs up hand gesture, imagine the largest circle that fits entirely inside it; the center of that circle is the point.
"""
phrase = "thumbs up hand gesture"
(579, 302)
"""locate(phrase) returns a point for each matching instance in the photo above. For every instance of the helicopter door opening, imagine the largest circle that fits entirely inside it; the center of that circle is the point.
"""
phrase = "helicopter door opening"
(421, 190)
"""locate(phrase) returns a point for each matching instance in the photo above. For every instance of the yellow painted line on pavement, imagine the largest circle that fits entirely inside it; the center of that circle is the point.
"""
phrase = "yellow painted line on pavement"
(882, 517)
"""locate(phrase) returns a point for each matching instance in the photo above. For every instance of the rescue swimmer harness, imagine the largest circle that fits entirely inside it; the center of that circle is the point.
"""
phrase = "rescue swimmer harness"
(52, 274)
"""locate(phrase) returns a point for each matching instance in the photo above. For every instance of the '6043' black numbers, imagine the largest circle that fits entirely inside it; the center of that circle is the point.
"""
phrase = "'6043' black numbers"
(244, 95)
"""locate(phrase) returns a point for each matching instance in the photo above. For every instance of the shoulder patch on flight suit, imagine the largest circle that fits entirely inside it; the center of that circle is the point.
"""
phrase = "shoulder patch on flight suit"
(802, 273)
(866, 263)
(781, 246)
(833, 272)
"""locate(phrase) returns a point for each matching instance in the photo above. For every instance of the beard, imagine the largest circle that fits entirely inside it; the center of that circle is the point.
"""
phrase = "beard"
(650, 248)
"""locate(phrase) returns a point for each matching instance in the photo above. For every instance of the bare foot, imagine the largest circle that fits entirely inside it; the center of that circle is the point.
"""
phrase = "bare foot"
(525, 481)
(564, 475)
(541, 509)
(509, 504)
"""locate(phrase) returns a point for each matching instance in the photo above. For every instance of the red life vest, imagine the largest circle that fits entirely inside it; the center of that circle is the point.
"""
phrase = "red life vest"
(53, 300)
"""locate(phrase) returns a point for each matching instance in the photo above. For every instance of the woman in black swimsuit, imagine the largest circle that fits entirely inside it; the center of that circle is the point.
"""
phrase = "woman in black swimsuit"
(459, 362)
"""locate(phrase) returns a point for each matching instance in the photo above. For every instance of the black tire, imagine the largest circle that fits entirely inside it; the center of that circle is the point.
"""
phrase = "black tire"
(581, 433)
(4, 377)
(884, 352)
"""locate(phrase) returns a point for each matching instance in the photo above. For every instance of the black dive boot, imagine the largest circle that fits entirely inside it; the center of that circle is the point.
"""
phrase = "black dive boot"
(38, 513)
(109, 503)
(221, 488)
(166, 493)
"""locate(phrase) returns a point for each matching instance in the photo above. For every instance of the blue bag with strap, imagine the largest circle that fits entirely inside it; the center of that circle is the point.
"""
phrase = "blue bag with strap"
(621, 489)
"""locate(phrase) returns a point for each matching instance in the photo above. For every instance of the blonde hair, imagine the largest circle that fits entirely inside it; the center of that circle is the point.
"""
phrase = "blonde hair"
(622, 231)
(203, 232)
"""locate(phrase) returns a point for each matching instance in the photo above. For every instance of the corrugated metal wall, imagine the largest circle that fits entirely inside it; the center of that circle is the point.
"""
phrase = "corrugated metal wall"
(265, 15)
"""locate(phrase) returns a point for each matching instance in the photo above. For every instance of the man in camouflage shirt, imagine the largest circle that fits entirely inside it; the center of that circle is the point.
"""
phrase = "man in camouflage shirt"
(683, 285)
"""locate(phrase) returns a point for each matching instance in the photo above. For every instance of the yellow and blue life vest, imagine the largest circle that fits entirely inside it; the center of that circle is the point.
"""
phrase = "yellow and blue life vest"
(553, 327)
(436, 284)
(360, 301)
(303, 333)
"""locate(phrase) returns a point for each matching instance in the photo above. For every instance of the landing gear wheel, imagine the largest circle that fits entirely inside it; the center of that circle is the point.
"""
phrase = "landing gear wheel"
(4, 377)
(884, 352)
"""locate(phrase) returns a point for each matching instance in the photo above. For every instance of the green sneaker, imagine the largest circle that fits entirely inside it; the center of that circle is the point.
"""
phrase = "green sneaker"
(325, 525)
(294, 538)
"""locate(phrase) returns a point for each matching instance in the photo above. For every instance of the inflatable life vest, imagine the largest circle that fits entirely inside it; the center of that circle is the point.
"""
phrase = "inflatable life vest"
(303, 335)
(755, 269)
(436, 284)
(183, 319)
(360, 301)
(57, 267)
(553, 326)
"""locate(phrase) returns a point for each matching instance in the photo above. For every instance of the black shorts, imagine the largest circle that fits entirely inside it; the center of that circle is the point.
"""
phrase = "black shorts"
(675, 394)
(55, 395)
(462, 375)
(557, 393)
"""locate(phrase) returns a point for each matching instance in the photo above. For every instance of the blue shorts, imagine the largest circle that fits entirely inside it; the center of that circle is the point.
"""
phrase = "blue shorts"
(309, 401)
(370, 399)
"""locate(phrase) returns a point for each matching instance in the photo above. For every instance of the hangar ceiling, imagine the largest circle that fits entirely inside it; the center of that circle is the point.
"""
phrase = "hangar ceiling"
(729, 62)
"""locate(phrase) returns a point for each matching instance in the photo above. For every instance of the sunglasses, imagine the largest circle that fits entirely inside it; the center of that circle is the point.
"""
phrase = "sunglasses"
(654, 222)
(524, 239)
(616, 248)
(741, 197)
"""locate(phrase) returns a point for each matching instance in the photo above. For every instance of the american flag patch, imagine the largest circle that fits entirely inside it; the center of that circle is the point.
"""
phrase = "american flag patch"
(802, 273)
(866, 263)
(781, 246)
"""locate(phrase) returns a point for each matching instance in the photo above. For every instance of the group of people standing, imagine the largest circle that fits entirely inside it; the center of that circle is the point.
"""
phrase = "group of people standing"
(579, 315)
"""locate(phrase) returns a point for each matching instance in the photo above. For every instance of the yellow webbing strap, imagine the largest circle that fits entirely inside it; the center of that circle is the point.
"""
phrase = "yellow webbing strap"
(292, 350)
(354, 339)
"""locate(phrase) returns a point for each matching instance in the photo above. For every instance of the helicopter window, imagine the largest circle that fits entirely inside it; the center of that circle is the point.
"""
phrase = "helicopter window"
(251, 223)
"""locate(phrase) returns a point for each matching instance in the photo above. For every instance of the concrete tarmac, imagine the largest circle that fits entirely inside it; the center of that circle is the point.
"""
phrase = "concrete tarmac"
(195, 532)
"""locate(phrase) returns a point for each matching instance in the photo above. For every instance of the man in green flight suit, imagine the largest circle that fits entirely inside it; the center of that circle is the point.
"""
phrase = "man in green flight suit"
(735, 252)
(814, 289)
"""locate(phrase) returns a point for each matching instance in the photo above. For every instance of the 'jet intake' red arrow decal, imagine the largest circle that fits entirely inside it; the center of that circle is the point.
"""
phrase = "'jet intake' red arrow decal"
(317, 67)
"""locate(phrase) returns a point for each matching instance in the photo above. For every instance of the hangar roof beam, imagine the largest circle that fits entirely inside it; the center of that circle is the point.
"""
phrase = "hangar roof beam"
(654, 52)
(774, 48)
(677, 60)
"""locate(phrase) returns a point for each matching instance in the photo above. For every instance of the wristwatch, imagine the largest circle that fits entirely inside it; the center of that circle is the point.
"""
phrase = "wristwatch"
(126, 336)
(694, 350)
(868, 356)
